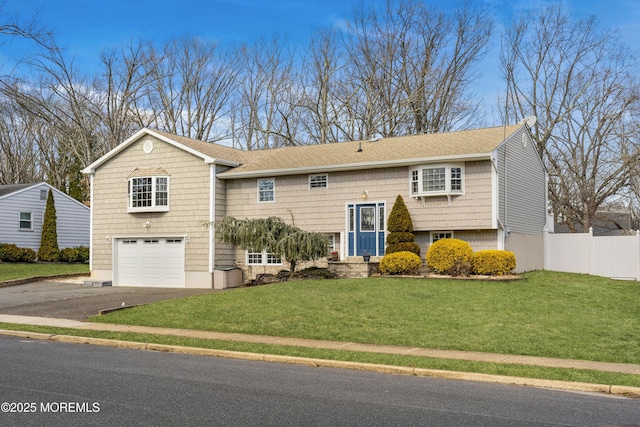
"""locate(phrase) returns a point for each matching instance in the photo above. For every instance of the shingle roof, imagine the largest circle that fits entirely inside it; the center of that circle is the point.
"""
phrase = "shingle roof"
(370, 154)
(7, 189)
(385, 152)
(213, 150)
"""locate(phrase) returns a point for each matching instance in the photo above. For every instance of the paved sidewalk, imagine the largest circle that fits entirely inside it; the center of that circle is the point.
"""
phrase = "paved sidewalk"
(333, 345)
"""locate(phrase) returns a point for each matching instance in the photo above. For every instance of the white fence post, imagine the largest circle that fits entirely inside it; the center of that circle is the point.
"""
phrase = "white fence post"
(591, 250)
(637, 255)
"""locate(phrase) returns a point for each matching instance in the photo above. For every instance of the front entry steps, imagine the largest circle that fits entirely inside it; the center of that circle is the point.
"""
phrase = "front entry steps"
(355, 267)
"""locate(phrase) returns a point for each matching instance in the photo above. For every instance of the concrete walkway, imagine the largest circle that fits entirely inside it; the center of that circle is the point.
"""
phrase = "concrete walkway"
(334, 345)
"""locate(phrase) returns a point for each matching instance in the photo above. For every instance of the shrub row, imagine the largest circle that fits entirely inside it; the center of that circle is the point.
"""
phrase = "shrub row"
(455, 257)
(12, 253)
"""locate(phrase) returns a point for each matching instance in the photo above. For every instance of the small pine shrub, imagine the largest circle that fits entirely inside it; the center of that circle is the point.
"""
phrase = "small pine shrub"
(399, 218)
(445, 254)
(400, 228)
(494, 262)
(404, 247)
(400, 263)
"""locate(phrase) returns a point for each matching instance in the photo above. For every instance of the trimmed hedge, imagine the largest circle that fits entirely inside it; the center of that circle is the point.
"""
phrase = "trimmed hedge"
(400, 263)
(12, 253)
(79, 254)
(494, 262)
(450, 256)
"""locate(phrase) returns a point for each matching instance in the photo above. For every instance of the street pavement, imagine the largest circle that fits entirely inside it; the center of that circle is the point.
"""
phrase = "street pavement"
(41, 303)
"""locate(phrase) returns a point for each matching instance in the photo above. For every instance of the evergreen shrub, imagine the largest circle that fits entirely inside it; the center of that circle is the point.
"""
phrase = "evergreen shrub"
(404, 247)
(49, 251)
(400, 263)
(450, 256)
(400, 229)
(79, 254)
(12, 253)
(494, 262)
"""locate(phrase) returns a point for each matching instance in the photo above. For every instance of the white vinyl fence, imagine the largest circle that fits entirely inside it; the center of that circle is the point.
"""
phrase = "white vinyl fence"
(617, 257)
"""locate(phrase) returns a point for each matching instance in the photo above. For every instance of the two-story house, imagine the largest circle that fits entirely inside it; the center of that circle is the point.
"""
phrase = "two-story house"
(154, 195)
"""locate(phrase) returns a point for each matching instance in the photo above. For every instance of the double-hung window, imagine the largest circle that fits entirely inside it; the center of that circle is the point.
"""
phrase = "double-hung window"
(26, 221)
(266, 190)
(148, 194)
(437, 180)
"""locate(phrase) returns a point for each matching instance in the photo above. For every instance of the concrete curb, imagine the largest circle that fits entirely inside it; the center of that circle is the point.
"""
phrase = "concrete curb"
(626, 391)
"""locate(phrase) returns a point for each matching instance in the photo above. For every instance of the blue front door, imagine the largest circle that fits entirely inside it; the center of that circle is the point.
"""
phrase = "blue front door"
(366, 230)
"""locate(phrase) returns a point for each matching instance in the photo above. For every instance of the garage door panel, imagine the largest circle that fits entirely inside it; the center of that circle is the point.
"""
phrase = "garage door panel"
(156, 262)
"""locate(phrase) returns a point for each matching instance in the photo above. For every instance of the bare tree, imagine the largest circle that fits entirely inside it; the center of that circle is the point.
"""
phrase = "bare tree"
(582, 86)
(411, 67)
(265, 113)
(321, 75)
(191, 87)
(124, 86)
(19, 159)
(29, 29)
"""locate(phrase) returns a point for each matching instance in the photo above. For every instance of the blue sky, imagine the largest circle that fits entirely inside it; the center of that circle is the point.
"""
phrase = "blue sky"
(85, 27)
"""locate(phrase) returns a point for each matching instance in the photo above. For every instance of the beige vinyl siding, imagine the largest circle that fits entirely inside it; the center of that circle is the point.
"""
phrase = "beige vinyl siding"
(224, 253)
(188, 203)
(522, 186)
(323, 209)
(478, 239)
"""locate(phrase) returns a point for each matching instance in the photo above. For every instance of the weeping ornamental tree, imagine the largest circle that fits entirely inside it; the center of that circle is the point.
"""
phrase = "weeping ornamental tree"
(48, 250)
(272, 235)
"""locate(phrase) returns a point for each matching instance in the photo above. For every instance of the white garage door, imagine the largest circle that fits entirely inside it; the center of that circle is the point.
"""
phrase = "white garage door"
(156, 262)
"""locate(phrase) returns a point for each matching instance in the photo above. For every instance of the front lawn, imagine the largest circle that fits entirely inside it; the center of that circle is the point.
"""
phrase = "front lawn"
(548, 314)
(12, 271)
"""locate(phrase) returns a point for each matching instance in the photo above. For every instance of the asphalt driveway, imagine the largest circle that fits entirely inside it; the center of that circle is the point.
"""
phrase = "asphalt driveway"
(70, 299)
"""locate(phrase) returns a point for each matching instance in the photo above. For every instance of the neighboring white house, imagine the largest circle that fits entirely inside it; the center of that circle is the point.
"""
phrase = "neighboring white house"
(22, 209)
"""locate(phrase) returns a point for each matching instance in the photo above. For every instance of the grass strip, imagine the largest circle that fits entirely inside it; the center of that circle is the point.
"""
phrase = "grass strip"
(525, 371)
(13, 271)
(558, 315)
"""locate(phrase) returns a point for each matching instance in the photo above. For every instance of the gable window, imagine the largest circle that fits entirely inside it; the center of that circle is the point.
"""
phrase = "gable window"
(267, 190)
(318, 181)
(26, 221)
(148, 193)
(263, 258)
(437, 180)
